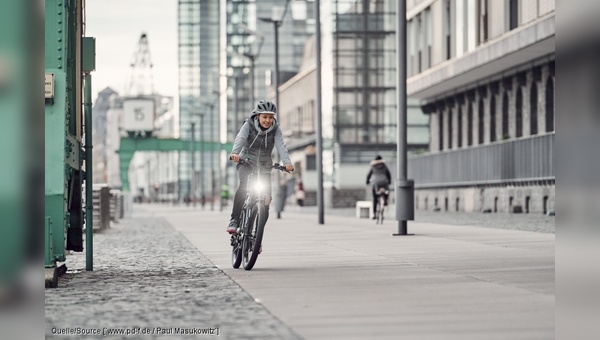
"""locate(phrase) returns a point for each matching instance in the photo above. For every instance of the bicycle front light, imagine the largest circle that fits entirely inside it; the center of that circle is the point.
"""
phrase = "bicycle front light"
(259, 187)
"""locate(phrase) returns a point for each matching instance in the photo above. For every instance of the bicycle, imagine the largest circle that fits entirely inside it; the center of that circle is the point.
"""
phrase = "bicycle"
(381, 193)
(247, 242)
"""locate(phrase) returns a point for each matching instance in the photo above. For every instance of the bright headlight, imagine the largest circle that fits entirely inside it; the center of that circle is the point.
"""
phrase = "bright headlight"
(258, 187)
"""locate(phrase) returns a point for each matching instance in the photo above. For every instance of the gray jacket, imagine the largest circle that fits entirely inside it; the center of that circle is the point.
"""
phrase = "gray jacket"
(252, 141)
(380, 173)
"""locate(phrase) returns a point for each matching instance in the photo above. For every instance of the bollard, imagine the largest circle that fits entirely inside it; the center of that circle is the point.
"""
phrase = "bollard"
(405, 193)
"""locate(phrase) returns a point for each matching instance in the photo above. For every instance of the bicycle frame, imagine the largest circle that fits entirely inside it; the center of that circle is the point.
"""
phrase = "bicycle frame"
(381, 192)
(248, 240)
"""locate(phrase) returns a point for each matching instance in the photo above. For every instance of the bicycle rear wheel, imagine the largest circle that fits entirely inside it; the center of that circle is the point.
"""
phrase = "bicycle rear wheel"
(380, 209)
(254, 235)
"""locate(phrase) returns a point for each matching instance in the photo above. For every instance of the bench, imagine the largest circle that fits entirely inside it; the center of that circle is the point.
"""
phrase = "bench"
(364, 209)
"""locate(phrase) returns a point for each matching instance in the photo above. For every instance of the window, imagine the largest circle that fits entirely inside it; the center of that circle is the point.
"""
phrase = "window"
(441, 130)
(460, 27)
(505, 134)
(493, 118)
(450, 128)
(480, 121)
(429, 35)
(460, 130)
(448, 30)
(410, 36)
(519, 113)
(513, 14)
(311, 162)
(419, 41)
(549, 105)
(483, 21)
(533, 119)
(470, 123)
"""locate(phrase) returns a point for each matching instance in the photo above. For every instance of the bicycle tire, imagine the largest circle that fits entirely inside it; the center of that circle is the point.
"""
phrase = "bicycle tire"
(380, 209)
(236, 244)
(253, 238)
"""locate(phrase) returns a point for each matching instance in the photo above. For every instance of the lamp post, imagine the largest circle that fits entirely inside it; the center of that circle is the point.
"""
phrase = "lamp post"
(212, 127)
(192, 186)
(201, 138)
(276, 20)
(212, 159)
(193, 180)
(404, 186)
(319, 130)
(252, 58)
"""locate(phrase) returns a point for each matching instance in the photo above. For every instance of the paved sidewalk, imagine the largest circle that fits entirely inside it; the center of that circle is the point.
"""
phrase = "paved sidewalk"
(148, 276)
(527, 222)
(170, 267)
(350, 279)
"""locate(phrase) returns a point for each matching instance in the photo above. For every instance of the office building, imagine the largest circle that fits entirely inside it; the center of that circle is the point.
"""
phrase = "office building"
(483, 71)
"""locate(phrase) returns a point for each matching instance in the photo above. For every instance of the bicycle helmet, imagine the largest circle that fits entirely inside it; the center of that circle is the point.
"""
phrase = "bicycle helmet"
(265, 106)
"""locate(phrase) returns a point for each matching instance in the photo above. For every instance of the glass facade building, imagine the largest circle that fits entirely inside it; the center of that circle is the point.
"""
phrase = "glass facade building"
(198, 92)
(223, 43)
(363, 52)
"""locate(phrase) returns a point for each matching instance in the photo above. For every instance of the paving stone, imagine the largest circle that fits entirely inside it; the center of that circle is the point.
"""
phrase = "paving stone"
(147, 275)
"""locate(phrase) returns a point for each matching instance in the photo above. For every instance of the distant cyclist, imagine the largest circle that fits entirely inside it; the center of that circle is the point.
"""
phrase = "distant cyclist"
(379, 176)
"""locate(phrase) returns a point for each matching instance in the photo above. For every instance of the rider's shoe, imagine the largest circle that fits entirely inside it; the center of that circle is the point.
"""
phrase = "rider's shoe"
(232, 227)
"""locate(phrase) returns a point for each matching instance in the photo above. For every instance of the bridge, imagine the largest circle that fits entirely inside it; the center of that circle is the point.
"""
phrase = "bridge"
(130, 145)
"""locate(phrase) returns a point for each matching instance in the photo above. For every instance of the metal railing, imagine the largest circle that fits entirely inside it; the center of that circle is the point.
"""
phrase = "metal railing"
(521, 160)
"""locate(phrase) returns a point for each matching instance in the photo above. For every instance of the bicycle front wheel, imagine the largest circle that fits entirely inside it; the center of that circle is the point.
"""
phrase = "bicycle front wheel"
(254, 235)
(236, 244)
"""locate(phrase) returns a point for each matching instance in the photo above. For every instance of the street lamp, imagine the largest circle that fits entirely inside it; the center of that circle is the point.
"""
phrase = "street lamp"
(192, 186)
(211, 105)
(404, 186)
(253, 56)
(193, 179)
(276, 20)
(319, 127)
(212, 159)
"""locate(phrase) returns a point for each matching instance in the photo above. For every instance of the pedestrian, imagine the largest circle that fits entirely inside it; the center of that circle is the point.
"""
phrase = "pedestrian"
(300, 194)
(381, 178)
(224, 195)
(257, 137)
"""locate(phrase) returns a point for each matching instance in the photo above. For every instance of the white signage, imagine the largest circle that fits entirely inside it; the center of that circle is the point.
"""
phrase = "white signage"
(49, 85)
(138, 114)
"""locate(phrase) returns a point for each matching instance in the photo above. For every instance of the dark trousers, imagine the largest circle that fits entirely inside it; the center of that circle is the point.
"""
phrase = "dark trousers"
(240, 195)
(375, 198)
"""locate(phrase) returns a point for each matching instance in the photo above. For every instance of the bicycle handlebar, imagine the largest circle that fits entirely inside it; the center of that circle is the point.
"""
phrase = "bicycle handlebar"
(277, 166)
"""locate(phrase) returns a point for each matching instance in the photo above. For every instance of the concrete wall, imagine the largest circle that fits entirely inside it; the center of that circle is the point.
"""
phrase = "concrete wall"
(496, 198)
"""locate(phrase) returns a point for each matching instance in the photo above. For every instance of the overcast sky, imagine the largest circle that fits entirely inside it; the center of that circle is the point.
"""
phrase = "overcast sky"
(117, 26)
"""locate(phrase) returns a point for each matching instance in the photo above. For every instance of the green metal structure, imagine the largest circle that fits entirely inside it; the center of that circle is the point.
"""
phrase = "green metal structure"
(69, 58)
(129, 146)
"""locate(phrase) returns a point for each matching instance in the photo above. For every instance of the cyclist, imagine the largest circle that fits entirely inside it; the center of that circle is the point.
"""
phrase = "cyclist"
(259, 134)
(381, 178)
